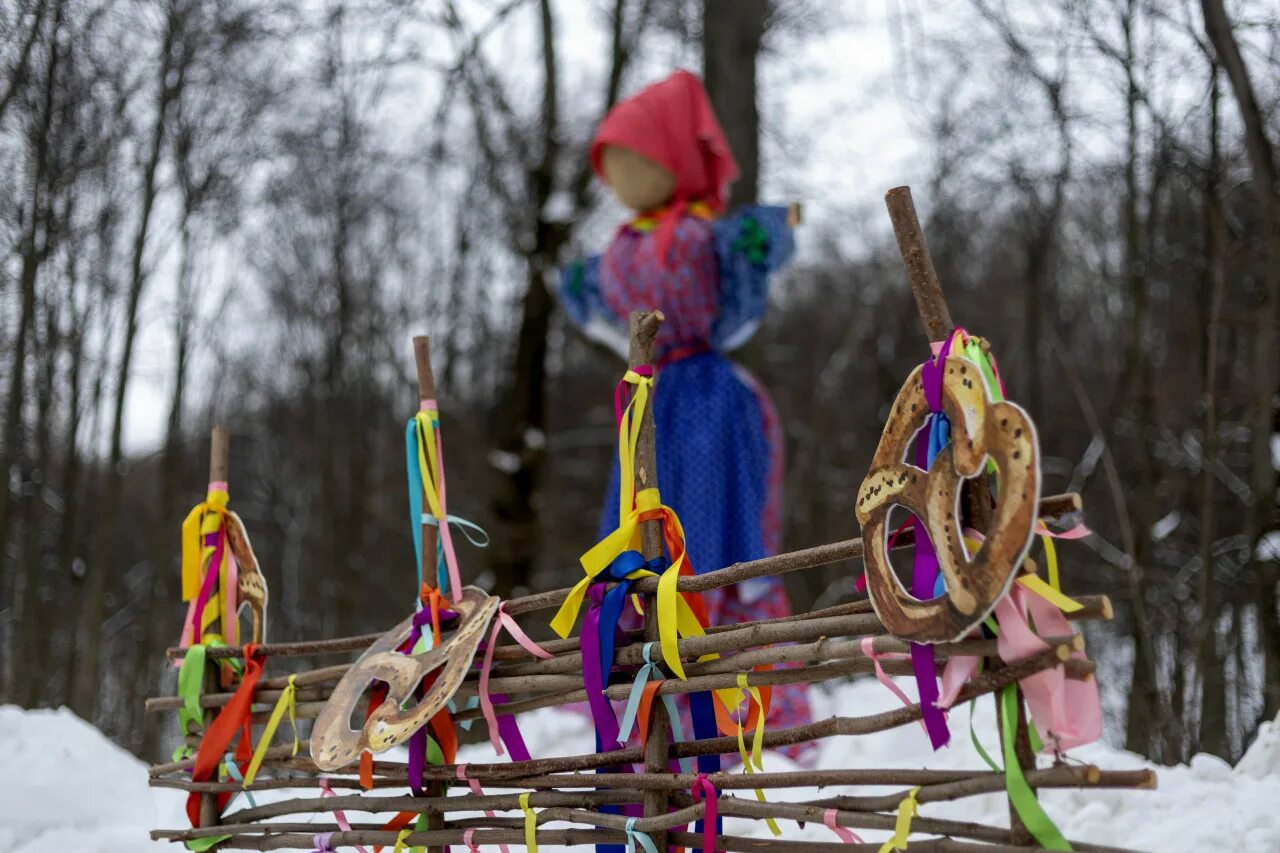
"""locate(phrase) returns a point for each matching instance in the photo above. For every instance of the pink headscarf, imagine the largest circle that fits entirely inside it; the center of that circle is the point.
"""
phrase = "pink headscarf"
(671, 123)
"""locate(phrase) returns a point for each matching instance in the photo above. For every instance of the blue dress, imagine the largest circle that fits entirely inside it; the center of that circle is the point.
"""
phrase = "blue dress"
(719, 444)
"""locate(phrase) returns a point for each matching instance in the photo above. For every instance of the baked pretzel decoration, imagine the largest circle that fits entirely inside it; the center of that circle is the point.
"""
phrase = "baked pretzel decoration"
(334, 744)
(251, 586)
(980, 429)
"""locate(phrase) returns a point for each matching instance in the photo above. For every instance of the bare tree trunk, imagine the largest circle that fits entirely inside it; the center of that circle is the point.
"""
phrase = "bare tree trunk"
(88, 652)
(1144, 698)
(35, 249)
(521, 440)
(732, 31)
(1212, 731)
(16, 75)
(1264, 369)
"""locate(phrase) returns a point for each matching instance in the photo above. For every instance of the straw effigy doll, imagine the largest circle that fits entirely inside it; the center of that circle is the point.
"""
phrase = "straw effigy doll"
(719, 441)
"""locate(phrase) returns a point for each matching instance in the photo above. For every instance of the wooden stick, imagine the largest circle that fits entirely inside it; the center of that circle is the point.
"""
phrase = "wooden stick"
(644, 328)
(427, 397)
(920, 272)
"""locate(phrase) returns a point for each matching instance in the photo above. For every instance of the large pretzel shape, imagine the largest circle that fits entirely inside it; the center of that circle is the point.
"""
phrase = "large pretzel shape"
(251, 586)
(980, 429)
(334, 744)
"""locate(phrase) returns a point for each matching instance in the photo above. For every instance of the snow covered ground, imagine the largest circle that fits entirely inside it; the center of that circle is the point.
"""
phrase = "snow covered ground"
(64, 787)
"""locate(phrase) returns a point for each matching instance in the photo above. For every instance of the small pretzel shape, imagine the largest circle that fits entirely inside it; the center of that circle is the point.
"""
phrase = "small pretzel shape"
(980, 429)
(251, 586)
(334, 744)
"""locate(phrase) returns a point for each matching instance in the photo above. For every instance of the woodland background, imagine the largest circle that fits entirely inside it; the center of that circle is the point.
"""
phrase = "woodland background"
(281, 193)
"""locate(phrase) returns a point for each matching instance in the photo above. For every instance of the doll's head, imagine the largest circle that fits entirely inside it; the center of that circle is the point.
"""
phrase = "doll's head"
(664, 145)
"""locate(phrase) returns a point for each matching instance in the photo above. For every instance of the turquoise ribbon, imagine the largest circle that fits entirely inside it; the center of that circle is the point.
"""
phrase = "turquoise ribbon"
(634, 835)
(647, 671)
(234, 772)
(417, 517)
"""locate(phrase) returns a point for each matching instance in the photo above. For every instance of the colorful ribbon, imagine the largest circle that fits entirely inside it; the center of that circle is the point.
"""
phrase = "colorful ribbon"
(205, 563)
(635, 836)
(703, 790)
(424, 457)
(323, 843)
(498, 731)
(339, 817)
(907, 809)
(868, 649)
(845, 835)
(288, 701)
(479, 792)
(634, 704)
(190, 684)
(1024, 801)
(468, 838)
(530, 824)
(757, 744)
(234, 717)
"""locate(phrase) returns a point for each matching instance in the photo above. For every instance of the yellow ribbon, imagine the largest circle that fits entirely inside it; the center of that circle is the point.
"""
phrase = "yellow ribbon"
(757, 744)
(530, 824)
(402, 839)
(288, 700)
(907, 809)
(204, 518)
(428, 464)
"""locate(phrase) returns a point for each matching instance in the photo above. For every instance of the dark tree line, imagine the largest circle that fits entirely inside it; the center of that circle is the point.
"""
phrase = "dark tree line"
(251, 207)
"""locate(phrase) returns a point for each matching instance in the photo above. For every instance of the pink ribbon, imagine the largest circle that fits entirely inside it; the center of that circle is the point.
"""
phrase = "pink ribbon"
(868, 649)
(338, 816)
(501, 620)
(703, 789)
(479, 792)
(1068, 712)
(446, 539)
(846, 835)
(472, 847)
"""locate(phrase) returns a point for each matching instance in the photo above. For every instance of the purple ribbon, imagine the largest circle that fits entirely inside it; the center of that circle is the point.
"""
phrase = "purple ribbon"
(418, 740)
(924, 569)
(601, 711)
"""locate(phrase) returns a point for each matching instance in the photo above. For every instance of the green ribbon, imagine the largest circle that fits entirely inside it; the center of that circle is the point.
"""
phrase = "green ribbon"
(753, 241)
(190, 683)
(199, 845)
(1024, 801)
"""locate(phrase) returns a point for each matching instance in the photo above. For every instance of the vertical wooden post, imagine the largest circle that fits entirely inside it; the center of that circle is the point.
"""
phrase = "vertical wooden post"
(219, 466)
(427, 393)
(937, 321)
(644, 326)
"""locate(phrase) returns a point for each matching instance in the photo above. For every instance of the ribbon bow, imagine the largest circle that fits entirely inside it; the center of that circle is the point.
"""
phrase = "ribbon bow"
(643, 689)
(635, 836)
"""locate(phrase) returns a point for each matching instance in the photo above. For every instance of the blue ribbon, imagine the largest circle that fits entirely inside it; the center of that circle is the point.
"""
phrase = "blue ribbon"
(634, 835)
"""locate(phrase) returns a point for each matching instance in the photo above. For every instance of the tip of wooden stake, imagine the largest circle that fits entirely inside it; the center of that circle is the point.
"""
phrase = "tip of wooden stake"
(1108, 612)
(1151, 782)
(219, 454)
(795, 214)
(1063, 651)
(422, 361)
(1092, 775)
